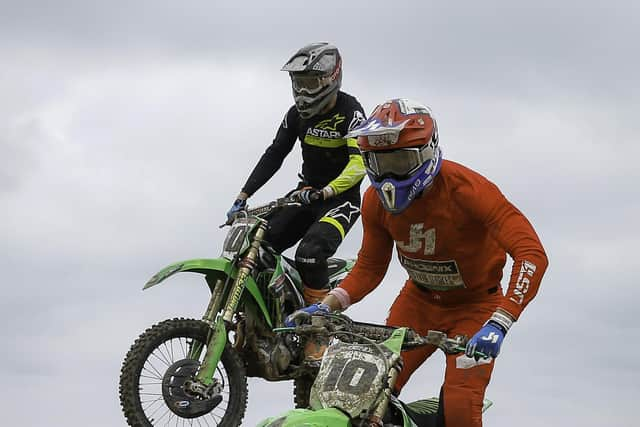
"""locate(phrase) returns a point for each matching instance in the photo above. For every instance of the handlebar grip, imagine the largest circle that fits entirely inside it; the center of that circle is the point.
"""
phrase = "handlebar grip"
(477, 354)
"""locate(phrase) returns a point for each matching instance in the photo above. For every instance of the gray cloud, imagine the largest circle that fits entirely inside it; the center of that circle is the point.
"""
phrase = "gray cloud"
(19, 159)
(583, 46)
(126, 130)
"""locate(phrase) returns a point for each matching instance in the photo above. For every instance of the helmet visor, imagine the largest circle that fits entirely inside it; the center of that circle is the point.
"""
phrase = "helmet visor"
(399, 163)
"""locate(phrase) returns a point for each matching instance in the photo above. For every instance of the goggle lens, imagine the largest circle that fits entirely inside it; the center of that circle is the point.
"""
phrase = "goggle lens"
(398, 163)
(309, 84)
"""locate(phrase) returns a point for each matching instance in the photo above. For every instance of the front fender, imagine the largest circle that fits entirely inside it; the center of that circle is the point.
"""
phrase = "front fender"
(207, 266)
(307, 417)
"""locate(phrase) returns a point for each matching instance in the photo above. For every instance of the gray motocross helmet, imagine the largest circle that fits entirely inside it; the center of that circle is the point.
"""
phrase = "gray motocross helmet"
(316, 75)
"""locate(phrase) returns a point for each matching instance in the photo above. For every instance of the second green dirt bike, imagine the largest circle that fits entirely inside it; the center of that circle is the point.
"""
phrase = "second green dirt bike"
(195, 371)
(354, 384)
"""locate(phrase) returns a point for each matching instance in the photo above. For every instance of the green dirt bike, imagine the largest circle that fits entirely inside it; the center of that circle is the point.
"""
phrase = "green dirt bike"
(195, 371)
(359, 368)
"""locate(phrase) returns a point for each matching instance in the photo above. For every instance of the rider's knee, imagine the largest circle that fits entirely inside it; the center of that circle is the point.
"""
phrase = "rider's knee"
(312, 265)
(308, 253)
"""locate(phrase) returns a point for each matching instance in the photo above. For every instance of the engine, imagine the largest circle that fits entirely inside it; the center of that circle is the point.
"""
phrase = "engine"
(267, 355)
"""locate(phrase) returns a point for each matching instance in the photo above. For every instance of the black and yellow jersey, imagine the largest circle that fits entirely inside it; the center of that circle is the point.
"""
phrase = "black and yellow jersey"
(329, 158)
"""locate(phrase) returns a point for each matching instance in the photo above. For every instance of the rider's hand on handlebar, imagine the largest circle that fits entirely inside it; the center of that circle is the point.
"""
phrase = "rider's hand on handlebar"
(487, 340)
(308, 195)
(237, 206)
(298, 316)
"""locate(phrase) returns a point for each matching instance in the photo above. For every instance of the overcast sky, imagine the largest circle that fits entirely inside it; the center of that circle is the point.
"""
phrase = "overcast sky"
(127, 129)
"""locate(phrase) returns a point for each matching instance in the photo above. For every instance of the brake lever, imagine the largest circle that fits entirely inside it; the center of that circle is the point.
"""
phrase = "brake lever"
(446, 344)
(229, 221)
(454, 345)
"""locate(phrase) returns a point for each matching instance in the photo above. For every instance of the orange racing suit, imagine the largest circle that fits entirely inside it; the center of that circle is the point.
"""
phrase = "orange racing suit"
(453, 242)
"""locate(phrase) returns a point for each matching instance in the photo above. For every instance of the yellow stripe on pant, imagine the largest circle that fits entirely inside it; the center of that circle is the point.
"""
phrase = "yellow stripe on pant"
(335, 223)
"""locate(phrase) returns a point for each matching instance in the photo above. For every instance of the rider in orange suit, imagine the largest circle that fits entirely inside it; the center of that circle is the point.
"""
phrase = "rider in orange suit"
(452, 230)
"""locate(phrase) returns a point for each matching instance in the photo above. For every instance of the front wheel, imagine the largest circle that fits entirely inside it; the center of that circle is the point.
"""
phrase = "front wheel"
(155, 377)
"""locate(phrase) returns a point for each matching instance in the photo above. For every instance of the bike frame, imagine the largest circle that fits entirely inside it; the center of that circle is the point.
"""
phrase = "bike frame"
(235, 332)
(236, 265)
(219, 272)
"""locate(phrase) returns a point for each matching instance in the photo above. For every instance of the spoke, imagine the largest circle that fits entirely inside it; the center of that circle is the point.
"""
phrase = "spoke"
(215, 418)
(149, 394)
(153, 402)
(164, 353)
(150, 384)
(170, 418)
(148, 377)
(195, 348)
(153, 369)
(164, 359)
(223, 410)
(156, 375)
(184, 347)
(163, 414)
(169, 352)
(149, 403)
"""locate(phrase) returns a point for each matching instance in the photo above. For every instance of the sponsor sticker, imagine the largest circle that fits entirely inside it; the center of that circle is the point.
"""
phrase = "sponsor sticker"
(434, 275)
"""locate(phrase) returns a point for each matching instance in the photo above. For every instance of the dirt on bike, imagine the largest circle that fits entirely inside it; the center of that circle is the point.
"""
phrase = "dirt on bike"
(354, 384)
(195, 371)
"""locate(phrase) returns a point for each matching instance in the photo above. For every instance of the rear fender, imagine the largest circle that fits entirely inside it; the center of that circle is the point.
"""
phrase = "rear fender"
(211, 268)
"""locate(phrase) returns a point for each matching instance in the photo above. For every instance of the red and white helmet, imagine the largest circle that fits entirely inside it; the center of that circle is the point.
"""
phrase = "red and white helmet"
(399, 145)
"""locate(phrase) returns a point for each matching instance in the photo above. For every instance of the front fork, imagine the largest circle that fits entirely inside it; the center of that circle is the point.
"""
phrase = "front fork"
(375, 419)
(218, 336)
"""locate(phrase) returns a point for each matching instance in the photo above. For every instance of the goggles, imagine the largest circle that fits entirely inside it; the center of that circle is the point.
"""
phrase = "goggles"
(309, 84)
(399, 163)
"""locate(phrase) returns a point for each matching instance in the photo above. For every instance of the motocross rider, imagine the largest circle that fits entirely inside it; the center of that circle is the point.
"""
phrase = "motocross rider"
(452, 229)
(332, 166)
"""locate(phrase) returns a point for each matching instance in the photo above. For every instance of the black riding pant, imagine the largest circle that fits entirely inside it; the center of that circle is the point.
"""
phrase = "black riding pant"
(322, 226)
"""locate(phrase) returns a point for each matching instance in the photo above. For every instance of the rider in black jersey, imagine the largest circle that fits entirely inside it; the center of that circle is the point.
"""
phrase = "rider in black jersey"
(332, 167)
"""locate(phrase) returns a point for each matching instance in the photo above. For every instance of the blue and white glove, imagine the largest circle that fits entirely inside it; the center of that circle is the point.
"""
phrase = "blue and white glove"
(294, 318)
(308, 195)
(487, 340)
(237, 206)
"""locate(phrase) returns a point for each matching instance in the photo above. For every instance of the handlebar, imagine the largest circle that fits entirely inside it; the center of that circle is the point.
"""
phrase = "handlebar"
(335, 324)
(267, 208)
(263, 210)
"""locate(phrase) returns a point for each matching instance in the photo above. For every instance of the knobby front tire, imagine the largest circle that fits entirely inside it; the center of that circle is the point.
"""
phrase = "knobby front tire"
(148, 360)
